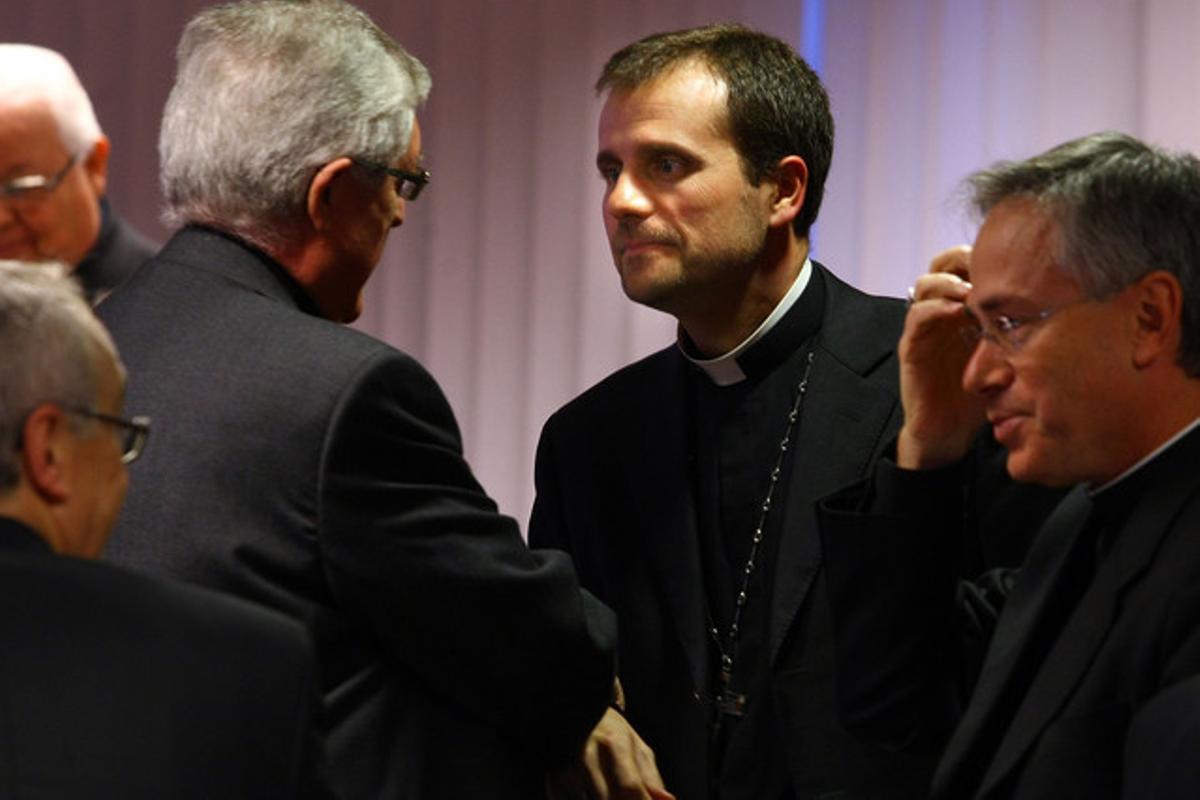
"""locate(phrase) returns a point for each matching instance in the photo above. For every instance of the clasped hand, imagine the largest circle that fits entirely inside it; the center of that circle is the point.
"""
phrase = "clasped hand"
(615, 764)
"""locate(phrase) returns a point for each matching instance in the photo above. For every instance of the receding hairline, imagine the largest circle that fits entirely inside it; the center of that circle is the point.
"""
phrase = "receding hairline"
(721, 123)
(33, 73)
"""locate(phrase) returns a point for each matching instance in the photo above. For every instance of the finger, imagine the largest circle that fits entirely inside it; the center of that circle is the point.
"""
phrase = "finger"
(624, 779)
(597, 780)
(567, 783)
(940, 285)
(648, 767)
(937, 313)
(955, 260)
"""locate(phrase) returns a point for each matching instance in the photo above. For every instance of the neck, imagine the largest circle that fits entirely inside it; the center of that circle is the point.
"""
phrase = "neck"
(725, 322)
(1162, 412)
(307, 259)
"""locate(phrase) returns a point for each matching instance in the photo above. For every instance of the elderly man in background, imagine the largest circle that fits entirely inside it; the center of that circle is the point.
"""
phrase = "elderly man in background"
(54, 172)
(116, 685)
(1080, 301)
(314, 469)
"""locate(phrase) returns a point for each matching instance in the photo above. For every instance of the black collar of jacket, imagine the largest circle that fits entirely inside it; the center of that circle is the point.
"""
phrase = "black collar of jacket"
(16, 535)
(237, 260)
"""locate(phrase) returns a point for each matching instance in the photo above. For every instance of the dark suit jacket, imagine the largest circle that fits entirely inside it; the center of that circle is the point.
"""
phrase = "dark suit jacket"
(1162, 750)
(906, 649)
(119, 250)
(614, 490)
(115, 685)
(311, 468)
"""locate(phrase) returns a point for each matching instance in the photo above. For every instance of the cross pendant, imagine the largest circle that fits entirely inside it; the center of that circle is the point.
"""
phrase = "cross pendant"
(729, 702)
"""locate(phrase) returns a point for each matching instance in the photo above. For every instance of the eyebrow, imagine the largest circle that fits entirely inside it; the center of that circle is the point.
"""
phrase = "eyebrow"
(999, 303)
(22, 169)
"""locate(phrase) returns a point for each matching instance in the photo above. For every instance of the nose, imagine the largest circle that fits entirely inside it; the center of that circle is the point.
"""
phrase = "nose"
(626, 199)
(988, 370)
(398, 213)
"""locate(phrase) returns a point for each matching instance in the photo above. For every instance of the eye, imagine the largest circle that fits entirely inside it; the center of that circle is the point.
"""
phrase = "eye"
(1005, 324)
(609, 172)
(668, 166)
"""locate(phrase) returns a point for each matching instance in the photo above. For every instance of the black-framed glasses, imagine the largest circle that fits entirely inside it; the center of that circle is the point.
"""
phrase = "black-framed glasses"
(408, 184)
(32, 189)
(134, 432)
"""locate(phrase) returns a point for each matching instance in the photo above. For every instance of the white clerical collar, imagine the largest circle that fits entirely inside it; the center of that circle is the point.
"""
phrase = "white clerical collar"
(724, 370)
(1184, 431)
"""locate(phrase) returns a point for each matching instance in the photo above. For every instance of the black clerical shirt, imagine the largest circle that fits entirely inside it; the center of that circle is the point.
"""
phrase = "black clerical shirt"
(736, 432)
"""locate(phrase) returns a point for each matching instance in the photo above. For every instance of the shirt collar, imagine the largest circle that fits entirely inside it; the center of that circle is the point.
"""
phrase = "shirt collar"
(733, 367)
(1124, 476)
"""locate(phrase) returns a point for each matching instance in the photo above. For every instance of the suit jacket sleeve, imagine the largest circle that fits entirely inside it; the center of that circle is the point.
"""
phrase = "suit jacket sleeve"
(909, 635)
(413, 545)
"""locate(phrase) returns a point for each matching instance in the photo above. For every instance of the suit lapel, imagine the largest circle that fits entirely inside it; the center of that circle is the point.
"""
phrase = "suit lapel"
(665, 510)
(843, 422)
(851, 409)
(1075, 649)
(1011, 637)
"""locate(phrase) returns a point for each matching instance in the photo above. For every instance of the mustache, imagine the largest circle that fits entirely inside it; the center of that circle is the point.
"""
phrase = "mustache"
(627, 233)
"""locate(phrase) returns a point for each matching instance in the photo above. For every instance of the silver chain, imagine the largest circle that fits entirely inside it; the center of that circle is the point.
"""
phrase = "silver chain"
(729, 702)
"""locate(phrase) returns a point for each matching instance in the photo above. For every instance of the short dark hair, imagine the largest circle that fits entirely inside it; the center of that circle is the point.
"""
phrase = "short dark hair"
(777, 105)
(1121, 209)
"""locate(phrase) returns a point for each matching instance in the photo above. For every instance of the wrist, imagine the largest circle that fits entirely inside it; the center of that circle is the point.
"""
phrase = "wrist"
(913, 453)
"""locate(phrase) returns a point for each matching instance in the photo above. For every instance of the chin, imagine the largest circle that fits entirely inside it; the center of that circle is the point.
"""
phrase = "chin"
(1027, 467)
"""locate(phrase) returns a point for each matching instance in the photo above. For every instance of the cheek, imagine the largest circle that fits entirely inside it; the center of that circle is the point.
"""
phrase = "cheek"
(74, 224)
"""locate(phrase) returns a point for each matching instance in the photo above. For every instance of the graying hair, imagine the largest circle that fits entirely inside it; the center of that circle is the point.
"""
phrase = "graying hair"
(32, 74)
(1121, 209)
(268, 92)
(49, 341)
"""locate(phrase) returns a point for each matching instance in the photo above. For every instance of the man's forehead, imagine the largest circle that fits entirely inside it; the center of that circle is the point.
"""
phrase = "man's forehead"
(33, 114)
(686, 98)
(1015, 260)
(27, 130)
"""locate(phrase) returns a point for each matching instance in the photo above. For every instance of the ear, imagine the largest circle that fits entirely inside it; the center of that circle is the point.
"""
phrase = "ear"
(1157, 302)
(319, 203)
(791, 184)
(95, 166)
(45, 453)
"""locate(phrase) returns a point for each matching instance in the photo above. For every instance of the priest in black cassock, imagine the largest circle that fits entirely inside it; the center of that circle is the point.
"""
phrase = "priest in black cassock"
(1080, 299)
(684, 484)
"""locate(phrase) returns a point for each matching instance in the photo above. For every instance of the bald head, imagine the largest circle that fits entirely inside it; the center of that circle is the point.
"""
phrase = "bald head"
(53, 159)
(35, 75)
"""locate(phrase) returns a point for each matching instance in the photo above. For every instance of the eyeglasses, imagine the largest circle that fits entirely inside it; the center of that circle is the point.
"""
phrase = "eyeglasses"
(408, 184)
(29, 190)
(1007, 332)
(134, 432)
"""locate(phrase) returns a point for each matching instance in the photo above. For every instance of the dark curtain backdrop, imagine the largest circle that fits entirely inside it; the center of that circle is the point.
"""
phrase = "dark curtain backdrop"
(501, 283)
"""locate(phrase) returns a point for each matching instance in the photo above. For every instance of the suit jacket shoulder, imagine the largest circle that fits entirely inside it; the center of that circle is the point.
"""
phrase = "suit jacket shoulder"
(859, 329)
(319, 471)
(196, 694)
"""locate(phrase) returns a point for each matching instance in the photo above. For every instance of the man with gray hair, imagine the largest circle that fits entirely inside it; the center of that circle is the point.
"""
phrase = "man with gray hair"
(317, 470)
(118, 685)
(1079, 301)
(54, 173)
